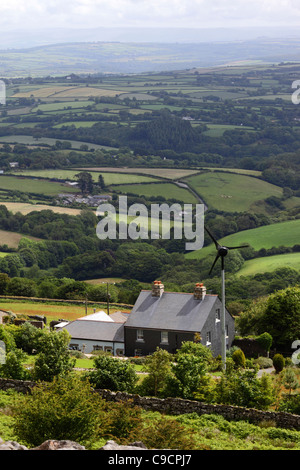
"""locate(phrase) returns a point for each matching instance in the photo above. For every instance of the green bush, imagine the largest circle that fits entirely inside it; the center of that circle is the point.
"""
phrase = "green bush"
(238, 358)
(263, 362)
(278, 363)
(62, 409)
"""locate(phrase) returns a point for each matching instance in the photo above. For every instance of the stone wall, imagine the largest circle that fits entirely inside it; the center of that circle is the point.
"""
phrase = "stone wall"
(176, 406)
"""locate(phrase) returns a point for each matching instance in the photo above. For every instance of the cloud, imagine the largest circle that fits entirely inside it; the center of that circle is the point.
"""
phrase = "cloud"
(39, 14)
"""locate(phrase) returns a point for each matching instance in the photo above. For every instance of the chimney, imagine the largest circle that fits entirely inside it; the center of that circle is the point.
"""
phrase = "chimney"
(157, 289)
(200, 291)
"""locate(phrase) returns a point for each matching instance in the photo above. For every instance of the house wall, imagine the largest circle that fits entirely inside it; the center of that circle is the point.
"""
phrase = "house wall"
(89, 346)
(152, 340)
(214, 327)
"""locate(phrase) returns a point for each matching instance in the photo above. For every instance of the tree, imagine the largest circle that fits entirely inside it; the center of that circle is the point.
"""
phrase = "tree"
(158, 367)
(113, 374)
(278, 362)
(85, 182)
(290, 380)
(53, 359)
(281, 318)
(13, 367)
(62, 409)
(101, 183)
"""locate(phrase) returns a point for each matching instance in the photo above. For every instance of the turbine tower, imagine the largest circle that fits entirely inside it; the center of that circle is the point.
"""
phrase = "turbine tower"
(222, 251)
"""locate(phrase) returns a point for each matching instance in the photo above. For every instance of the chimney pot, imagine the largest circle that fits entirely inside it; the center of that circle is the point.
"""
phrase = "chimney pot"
(200, 291)
(157, 289)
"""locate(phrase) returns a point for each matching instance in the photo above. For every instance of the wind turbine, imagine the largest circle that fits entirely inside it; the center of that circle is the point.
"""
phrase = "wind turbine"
(222, 251)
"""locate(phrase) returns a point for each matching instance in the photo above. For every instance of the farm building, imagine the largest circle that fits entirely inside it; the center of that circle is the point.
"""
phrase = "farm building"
(158, 319)
(97, 331)
(166, 319)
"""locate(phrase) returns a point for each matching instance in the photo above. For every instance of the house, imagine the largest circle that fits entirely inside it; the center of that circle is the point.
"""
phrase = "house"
(92, 201)
(97, 331)
(166, 319)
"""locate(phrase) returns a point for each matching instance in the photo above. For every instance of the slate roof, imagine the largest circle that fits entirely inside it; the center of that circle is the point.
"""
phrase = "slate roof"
(96, 330)
(172, 311)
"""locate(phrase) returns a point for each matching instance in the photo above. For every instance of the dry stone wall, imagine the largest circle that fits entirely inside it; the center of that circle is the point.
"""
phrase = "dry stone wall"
(177, 406)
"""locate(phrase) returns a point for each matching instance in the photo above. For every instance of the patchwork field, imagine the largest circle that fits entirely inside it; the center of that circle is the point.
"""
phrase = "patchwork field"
(109, 178)
(168, 173)
(231, 192)
(66, 92)
(166, 190)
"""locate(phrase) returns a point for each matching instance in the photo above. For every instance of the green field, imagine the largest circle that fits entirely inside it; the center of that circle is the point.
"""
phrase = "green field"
(109, 178)
(166, 190)
(270, 263)
(27, 185)
(268, 236)
(168, 173)
(232, 192)
(29, 140)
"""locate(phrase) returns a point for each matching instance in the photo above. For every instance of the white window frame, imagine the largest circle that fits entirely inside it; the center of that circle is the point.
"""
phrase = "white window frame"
(140, 335)
(164, 337)
(208, 338)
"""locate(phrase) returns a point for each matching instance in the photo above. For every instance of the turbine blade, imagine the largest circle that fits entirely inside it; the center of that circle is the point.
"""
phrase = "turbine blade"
(212, 237)
(216, 259)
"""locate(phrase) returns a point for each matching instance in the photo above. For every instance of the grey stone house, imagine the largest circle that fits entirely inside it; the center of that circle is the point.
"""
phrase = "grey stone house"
(166, 319)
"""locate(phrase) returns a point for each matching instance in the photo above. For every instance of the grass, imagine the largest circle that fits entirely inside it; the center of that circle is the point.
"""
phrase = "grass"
(25, 208)
(109, 178)
(66, 92)
(52, 311)
(166, 190)
(26, 185)
(270, 263)
(231, 192)
(12, 239)
(29, 140)
(268, 236)
(168, 173)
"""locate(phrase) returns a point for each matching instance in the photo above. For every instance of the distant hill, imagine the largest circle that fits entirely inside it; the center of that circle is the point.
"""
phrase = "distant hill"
(132, 57)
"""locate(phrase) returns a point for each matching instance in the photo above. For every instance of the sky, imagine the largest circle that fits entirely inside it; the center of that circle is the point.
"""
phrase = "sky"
(40, 15)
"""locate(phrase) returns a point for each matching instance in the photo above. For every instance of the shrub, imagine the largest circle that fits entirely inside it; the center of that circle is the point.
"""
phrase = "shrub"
(278, 363)
(167, 433)
(62, 409)
(113, 374)
(238, 358)
(264, 362)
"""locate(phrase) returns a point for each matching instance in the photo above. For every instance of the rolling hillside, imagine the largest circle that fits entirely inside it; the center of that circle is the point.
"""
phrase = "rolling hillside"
(281, 234)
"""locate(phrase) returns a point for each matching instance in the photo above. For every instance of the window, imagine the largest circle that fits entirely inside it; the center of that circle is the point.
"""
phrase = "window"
(226, 330)
(218, 315)
(208, 338)
(139, 335)
(164, 337)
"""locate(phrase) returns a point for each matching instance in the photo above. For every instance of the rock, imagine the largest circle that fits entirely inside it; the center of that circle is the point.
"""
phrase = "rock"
(59, 445)
(112, 445)
(11, 445)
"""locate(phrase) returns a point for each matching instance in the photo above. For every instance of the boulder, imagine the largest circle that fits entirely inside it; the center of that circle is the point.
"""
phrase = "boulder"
(112, 445)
